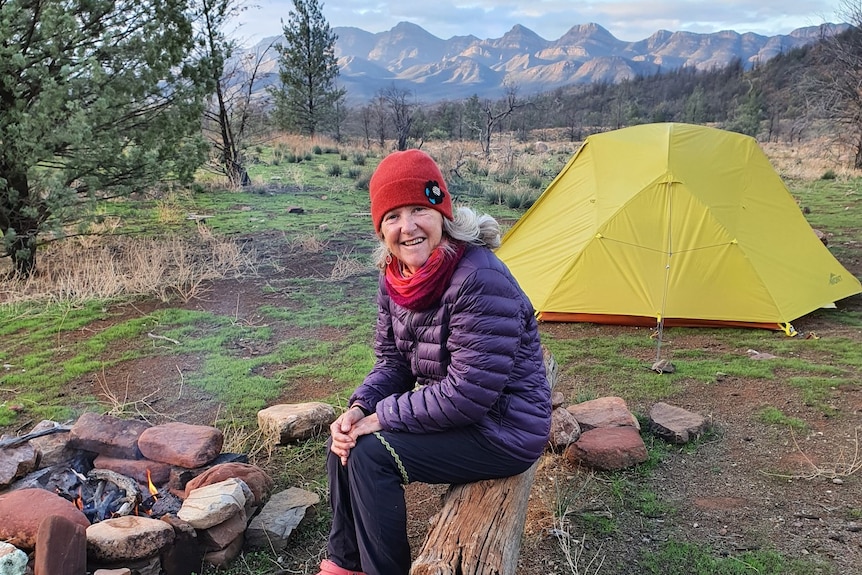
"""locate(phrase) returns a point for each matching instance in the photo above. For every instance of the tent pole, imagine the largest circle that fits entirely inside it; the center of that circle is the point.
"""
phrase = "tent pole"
(669, 254)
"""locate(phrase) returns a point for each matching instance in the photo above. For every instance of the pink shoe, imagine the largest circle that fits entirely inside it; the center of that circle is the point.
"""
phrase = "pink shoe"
(327, 567)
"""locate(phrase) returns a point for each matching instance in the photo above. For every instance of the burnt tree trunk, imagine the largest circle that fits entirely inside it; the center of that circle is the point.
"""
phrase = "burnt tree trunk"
(478, 530)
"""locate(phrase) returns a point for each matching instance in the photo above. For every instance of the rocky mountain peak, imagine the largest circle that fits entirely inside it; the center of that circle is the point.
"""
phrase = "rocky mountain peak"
(463, 66)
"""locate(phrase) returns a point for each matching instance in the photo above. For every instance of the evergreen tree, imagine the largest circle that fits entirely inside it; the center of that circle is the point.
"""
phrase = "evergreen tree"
(695, 106)
(747, 116)
(306, 100)
(98, 99)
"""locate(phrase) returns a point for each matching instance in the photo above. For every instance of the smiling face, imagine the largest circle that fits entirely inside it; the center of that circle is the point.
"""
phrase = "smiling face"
(411, 233)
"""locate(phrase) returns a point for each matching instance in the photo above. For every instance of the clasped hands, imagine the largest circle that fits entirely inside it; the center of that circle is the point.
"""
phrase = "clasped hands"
(348, 427)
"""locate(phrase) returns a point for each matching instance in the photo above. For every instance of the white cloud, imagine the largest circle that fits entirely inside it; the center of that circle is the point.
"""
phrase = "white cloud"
(627, 20)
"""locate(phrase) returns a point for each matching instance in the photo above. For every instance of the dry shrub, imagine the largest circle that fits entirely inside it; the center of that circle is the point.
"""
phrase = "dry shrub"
(810, 159)
(347, 265)
(122, 266)
(169, 210)
(125, 407)
(302, 145)
(307, 244)
(844, 465)
(255, 443)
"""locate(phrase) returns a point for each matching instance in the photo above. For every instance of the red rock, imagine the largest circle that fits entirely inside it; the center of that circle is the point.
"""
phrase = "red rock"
(184, 557)
(603, 412)
(135, 468)
(23, 510)
(107, 435)
(181, 444)
(61, 547)
(608, 448)
(16, 462)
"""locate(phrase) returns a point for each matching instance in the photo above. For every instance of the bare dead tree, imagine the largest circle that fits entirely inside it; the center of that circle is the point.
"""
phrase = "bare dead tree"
(400, 112)
(837, 78)
(234, 120)
(235, 104)
(380, 118)
(366, 117)
(495, 112)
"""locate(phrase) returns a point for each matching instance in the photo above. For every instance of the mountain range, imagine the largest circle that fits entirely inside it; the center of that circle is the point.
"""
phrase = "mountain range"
(432, 69)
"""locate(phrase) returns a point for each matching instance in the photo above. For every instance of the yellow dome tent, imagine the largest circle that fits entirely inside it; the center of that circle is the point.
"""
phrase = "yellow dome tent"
(672, 224)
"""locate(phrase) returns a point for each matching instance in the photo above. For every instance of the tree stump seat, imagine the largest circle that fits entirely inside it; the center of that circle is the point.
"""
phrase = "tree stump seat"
(479, 527)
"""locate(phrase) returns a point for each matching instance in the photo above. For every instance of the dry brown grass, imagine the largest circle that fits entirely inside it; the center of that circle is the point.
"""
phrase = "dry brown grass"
(121, 266)
(844, 466)
(811, 159)
(349, 265)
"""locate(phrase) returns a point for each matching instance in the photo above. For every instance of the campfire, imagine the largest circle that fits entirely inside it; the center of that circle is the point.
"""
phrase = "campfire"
(101, 494)
(105, 474)
(153, 498)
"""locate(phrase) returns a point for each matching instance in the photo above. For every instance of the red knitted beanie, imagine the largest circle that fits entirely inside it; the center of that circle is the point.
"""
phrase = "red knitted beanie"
(408, 178)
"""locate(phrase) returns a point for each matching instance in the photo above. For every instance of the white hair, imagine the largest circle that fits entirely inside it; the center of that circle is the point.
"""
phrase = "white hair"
(467, 226)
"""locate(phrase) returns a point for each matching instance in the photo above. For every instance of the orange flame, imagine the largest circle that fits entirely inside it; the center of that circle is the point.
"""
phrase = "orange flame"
(150, 486)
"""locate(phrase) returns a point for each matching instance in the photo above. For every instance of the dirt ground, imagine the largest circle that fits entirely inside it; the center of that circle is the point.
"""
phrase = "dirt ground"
(739, 489)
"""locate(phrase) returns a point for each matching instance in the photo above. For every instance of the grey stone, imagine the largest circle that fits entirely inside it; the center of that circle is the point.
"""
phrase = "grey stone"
(279, 518)
(564, 428)
(16, 462)
(13, 561)
(675, 424)
(215, 503)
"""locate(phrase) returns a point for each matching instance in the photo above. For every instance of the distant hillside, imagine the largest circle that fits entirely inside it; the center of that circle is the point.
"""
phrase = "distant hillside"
(434, 69)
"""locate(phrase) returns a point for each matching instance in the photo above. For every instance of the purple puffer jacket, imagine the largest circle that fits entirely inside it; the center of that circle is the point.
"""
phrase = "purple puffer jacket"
(476, 358)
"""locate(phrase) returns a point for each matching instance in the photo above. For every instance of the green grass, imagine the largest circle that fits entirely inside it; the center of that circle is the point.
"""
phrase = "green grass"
(679, 558)
(771, 415)
(620, 364)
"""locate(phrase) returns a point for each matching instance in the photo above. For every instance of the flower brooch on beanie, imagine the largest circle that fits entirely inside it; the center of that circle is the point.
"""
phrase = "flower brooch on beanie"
(433, 192)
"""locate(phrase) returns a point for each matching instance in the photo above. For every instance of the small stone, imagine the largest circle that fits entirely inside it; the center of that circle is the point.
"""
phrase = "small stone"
(663, 366)
(129, 537)
(212, 504)
(12, 559)
(285, 423)
(16, 462)
(837, 481)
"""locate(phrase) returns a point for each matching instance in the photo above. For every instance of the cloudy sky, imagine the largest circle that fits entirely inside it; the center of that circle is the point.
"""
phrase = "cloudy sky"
(628, 20)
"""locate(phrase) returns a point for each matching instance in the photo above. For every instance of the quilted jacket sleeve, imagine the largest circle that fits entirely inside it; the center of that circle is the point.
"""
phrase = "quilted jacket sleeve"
(391, 372)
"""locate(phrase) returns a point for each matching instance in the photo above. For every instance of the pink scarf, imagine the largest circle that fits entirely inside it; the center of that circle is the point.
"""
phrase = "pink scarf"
(424, 288)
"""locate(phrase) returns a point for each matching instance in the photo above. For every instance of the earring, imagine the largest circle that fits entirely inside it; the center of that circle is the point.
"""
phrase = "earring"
(388, 259)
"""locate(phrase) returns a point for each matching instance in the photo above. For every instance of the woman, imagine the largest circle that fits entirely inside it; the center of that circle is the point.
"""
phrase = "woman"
(458, 392)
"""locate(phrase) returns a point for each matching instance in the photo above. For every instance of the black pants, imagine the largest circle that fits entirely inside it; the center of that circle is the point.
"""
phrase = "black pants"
(369, 519)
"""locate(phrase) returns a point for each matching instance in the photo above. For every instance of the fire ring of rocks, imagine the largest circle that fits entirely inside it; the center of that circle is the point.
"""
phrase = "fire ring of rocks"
(109, 493)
